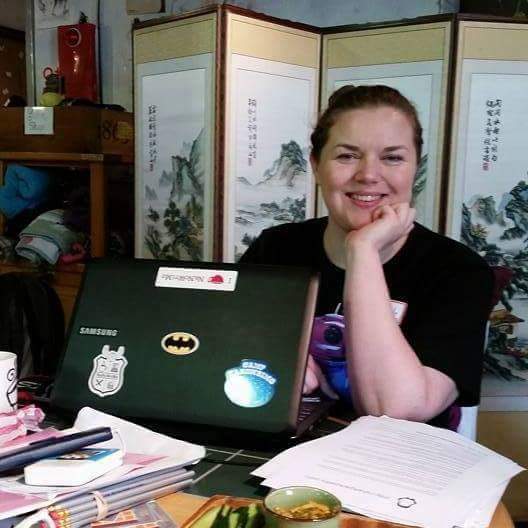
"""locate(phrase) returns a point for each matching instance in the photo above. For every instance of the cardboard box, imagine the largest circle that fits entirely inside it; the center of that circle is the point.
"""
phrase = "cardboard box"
(83, 130)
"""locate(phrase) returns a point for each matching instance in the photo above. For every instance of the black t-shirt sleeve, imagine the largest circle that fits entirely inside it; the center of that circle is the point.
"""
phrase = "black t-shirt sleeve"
(293, 244)
(447, 329)
(256, 253)
(272, 246)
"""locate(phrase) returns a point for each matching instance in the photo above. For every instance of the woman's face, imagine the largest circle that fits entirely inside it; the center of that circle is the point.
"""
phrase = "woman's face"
(369, 160)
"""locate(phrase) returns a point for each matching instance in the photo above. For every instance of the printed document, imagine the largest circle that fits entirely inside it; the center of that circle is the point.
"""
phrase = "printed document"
(399, 471)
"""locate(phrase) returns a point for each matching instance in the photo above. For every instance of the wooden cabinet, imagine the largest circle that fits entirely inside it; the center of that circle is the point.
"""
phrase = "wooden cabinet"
(76, 130)
(98, 166)
(103, 141)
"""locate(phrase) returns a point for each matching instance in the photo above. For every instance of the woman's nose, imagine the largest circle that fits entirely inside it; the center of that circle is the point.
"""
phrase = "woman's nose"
(367, 171)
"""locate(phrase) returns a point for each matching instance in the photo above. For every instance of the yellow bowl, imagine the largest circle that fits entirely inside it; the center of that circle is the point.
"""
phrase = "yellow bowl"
(278, 507)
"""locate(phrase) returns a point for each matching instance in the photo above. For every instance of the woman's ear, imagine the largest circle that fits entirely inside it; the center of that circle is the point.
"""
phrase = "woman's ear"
(314, 164)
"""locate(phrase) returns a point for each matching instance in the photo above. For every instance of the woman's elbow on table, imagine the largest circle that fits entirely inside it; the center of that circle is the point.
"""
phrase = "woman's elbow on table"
(419, 402)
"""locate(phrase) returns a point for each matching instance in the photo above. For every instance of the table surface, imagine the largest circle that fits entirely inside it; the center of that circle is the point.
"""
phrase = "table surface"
(180, 506)
(226, 471)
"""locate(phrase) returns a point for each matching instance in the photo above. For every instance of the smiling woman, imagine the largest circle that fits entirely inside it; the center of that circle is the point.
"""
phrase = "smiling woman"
(410, 341)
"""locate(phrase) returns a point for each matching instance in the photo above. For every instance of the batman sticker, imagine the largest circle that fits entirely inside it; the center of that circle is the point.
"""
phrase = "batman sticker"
(180, 343)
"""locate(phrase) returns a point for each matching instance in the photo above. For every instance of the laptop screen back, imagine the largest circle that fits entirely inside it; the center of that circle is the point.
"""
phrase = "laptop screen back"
(217, 344)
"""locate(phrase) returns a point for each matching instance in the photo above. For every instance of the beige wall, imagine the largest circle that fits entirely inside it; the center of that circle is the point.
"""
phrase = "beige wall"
(507, 433)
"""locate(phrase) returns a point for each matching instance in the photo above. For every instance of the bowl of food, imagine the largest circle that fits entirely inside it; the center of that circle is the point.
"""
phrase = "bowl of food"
(301, 507)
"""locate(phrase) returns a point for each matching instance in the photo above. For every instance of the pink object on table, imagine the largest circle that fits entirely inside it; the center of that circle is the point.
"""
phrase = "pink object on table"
(17, 423)
(16, 503)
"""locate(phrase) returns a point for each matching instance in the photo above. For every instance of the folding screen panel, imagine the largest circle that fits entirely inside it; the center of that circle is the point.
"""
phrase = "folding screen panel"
(174, 111)
(225, 100)
(271, 104)
(488, 193)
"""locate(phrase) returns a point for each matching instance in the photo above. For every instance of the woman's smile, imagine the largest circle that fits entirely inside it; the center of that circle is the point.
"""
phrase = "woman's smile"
(365, 200)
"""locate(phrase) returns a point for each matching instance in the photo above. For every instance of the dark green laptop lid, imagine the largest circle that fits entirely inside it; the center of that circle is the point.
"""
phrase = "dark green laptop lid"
(207, 343)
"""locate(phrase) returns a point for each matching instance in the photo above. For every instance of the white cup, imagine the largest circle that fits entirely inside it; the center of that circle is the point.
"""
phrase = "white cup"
(8, 382)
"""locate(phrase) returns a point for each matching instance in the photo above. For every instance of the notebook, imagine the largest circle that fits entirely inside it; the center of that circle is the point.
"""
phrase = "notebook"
(201, 343)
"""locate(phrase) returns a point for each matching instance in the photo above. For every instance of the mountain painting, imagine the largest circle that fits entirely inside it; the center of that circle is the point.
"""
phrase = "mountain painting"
(173, 166)
(488, 211)
(498, 231)
(268, 179)
(278, 197)
(420, 182)
(175, 208)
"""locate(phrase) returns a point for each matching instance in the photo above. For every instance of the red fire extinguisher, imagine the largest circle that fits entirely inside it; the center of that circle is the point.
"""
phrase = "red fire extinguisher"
(77, 60)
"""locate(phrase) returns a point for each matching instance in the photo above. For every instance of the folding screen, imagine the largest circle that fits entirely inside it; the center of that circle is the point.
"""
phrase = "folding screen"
(488, 193)
(225, 101)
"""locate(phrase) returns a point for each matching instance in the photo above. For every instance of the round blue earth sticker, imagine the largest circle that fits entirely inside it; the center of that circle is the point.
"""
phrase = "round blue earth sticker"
(251, 384)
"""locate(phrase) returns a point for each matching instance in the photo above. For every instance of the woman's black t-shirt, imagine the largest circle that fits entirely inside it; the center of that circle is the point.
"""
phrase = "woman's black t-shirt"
(446, 286)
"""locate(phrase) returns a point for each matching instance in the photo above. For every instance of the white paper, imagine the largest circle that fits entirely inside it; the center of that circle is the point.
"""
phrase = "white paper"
(483, 510)
(38, 120)
(139, 439)
(398, 471)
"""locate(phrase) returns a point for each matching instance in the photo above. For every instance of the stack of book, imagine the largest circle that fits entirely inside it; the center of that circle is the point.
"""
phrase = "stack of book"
(153, 466)
(86, 507)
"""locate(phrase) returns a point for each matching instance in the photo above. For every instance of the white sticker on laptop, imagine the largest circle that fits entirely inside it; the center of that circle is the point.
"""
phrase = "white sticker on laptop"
(108, 371)
(196, 279)
(251, 384)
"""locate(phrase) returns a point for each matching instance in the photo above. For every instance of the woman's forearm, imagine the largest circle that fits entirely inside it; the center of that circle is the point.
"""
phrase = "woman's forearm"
(386, 375)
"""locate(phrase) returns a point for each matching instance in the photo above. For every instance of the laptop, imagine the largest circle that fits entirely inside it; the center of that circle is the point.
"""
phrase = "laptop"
(211, 344)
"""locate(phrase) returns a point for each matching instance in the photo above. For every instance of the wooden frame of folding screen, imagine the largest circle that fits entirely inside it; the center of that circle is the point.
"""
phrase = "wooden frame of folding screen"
(413, 56)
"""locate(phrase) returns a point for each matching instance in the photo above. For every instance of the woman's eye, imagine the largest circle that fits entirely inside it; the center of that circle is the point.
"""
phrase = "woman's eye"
(393, 158)
(346, 156)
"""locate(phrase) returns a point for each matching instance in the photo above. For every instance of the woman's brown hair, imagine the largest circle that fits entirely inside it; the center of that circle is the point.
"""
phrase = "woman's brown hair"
(351, 97)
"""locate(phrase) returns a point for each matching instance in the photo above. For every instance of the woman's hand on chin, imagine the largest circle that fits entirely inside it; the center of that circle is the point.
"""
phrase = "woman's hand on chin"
(390, 224)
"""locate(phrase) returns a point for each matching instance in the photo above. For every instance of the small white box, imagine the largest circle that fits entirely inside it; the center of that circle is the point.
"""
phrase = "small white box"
(73, 469)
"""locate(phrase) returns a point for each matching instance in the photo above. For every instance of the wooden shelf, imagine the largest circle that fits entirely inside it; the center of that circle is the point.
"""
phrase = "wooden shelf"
(91, 139)
(39, 158)
(23, 265)
(97, 164)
